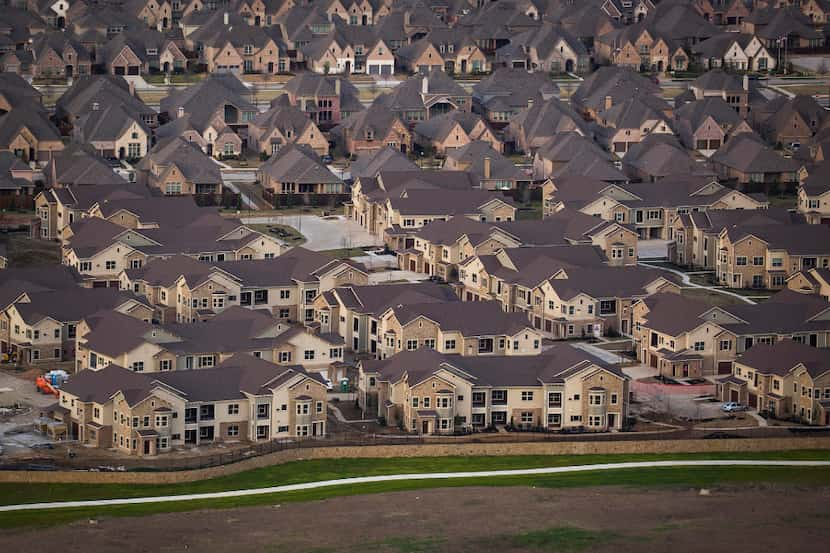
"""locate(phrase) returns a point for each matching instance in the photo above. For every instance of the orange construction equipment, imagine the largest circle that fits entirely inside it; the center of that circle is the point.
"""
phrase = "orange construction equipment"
(43, 386)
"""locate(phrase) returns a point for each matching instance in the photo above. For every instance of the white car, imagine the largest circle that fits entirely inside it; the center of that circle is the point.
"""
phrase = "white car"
(731, 407)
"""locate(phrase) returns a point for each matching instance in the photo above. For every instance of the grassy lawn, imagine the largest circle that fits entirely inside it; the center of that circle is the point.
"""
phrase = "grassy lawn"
(307, 471)
(344, 253)
(24, 252)
(532, 210)
(288, 234)
(788, 201)
(710, 297)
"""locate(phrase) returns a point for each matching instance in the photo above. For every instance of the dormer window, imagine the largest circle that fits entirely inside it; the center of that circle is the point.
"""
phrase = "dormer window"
(248, 49)
(370, 135)
(450, 48)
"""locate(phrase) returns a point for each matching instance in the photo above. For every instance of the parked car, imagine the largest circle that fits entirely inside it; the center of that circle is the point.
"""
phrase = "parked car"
(732, 406)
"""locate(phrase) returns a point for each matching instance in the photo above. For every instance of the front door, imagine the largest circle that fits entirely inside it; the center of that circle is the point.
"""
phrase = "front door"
(146, 447)
(190, 436)
(425, 427)
(612, 420)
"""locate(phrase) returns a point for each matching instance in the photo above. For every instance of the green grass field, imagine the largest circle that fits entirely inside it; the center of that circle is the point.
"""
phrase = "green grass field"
(308, 471)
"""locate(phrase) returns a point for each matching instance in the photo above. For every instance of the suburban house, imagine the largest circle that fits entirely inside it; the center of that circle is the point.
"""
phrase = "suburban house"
(704, 125)
(99, 92)
(111, 338)
(453, 130)
(730, 88)
(210, 113)
(354, 312)
(764, 256)
(297, 169)
(697, 233)
(365, 132)
(423, 97)
(735, 51)
(670, 332)
(284, 124)
(565, 291)
(242, 400)
(648, 207)
(814, 195)
(183, 289)
(113, 131)
(785, 380)
(427, 392)
(751, 164)
(464, 328)
(227, 44)
(540, 122)
(506, 91)
(100, 249)
(40, 326)
(178, 167)
(441, 246)
(493, 170)
(325, 100)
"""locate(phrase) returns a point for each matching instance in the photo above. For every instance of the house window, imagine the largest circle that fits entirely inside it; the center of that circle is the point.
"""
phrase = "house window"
(449, 345)
(233, 409)
(308, 355)
(699, 346)
(527, 396)
(411, 345)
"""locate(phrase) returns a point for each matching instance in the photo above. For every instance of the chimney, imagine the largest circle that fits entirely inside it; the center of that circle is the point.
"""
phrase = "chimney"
(609, 101)
(407, 18)
(131, 84)
(226, 18)
(487, 167)
(180, 112)
(746, 82)
(95, 106)
(425, 85)
(337, 87)
(530, 103)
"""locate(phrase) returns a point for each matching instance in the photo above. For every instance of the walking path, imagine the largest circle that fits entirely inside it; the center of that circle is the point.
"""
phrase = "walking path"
(404, 477)
(688, 282)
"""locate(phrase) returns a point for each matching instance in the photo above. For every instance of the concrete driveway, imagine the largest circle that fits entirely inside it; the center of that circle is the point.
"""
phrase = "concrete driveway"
(328, 233)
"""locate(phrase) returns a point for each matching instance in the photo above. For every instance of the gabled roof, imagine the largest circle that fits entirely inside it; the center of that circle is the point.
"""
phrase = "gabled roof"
(783, 356)
(476, 154)
(297, 163)
(376, 299)
(385, 159)
(192, 162)
(479, 318)
(556, 364)
(749, 154)
(514, 87)
(717, 79)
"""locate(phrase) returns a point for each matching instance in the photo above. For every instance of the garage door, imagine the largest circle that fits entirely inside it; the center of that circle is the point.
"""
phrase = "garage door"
(725, 367)
(134, 70)
(385, 69)
(374, 69)
(119, 70)
(753, 400)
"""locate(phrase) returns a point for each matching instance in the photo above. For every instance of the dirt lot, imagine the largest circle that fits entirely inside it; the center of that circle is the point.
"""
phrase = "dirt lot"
(471, 520)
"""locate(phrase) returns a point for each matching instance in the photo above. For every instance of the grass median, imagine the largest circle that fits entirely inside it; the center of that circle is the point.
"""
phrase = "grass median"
(316, 470)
